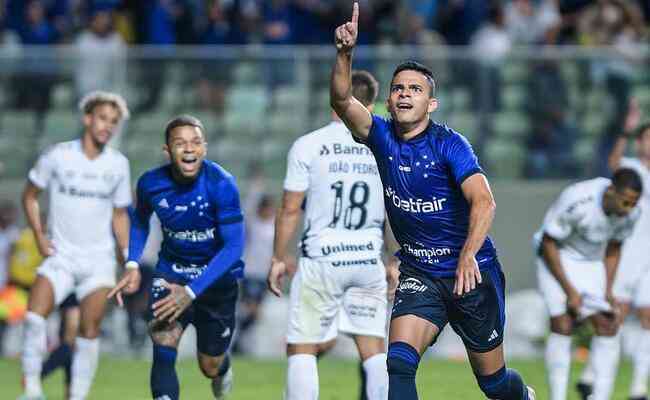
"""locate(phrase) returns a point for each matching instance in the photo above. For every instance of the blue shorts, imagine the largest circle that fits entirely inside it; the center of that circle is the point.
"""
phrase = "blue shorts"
(212, 314)
(253, 290)
(478, 317)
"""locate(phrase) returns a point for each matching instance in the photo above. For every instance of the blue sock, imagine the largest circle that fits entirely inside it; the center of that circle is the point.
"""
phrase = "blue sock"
(402, 363)
(164, 381)
(505, 384)
(60, 357)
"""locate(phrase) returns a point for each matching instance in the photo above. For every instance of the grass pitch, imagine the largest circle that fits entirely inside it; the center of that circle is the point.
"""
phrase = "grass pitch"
(264, 380)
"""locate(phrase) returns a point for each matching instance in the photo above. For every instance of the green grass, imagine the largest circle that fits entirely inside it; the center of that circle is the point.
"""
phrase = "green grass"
(264, 380)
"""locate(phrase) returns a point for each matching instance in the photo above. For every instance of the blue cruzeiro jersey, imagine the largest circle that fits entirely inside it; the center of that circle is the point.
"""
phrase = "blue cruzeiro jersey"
(190, 217)
(425, 205)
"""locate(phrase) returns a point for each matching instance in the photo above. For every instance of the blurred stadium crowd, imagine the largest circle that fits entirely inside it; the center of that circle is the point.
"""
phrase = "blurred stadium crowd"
(527, 116)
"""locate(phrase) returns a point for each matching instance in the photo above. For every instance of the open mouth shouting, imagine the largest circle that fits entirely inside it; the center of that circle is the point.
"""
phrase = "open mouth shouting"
(189, 163)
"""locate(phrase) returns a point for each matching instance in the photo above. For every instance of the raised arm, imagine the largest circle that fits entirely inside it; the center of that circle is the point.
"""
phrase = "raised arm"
(632, 120)
(353, 113)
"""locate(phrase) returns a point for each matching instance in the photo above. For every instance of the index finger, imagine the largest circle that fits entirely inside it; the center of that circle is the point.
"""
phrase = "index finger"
(120, 285)
(355, 13)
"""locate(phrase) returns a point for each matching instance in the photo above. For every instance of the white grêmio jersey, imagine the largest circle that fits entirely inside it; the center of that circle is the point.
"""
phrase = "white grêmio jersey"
(344, 210)
(579, 224)
(82, 196)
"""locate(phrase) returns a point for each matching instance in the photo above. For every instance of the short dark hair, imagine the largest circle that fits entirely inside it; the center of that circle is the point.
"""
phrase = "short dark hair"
(416, 66)
(642, 130)
(365, 87)
(627, 178)
(182, 120)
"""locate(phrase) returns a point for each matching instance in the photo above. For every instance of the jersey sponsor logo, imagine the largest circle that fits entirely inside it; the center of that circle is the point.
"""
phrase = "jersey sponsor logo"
(192, 271)
(163, 203)
(343, 247)
(180, 208)
(414, 206)
(346, 263)
(345, 149)
(83, 193)
(411, 286)
(426, 252)
(191, 235)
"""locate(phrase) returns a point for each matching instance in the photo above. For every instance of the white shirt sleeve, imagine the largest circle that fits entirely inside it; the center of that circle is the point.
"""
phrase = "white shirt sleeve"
(298, 168)
(42, 172)
(562, 216)
(122, 193)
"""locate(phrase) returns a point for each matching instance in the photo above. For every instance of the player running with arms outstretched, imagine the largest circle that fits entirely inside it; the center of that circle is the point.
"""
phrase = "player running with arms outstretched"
(197, 203)
(440, 208)
(579, 247)
(89, 189)
(340, 284)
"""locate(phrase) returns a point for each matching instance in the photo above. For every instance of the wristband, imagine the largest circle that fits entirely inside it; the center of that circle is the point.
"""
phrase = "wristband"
(131, 265)
(190, 292)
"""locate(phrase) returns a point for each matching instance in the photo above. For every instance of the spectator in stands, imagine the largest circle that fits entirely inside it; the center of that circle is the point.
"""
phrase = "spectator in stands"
(38, 68)
(616, 23)
(458, 20)
(552, 139)
(417, 22)
(528, 21)
(102, 54)
(490, 44)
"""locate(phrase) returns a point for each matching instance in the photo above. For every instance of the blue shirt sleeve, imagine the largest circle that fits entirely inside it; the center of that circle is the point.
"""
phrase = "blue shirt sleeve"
(227, 202)
(233, 236)
(460, 157)
(140, 217)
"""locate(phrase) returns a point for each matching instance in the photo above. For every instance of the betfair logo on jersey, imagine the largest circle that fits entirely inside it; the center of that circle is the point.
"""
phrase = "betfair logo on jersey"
(411, 286)
(414, 206)
(339, 148)
(190, 236)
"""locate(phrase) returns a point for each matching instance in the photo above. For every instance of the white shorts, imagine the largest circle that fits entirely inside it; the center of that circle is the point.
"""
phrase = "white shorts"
(81, 276)
(588, 277)
(632, 283)
(326, 299)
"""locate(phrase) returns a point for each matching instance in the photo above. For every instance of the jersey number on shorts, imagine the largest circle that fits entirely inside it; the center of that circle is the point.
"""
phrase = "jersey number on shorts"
(358, 197)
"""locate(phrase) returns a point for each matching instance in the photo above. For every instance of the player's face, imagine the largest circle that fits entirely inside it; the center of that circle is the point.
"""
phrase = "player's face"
(410, 101)
(186, 149)
(100, 124)
(622, 201)
(643, 144)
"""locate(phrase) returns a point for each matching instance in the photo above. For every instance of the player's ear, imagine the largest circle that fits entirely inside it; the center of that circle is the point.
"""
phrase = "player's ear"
(165, 150)
(433, 105)
(86, 119)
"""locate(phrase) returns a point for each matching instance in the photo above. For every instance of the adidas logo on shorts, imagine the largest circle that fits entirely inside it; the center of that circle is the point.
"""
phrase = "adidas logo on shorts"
(493, 336)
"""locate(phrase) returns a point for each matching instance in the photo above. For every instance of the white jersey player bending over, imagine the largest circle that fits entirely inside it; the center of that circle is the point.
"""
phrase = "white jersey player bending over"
(632, 283)
(340, 284)
(89, 188)
(579, 247)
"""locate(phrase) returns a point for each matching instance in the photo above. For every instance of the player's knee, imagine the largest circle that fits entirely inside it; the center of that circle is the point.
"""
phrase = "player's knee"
(402, 359)
(210, 366)
(168, 336)
(89, 331)
(504, 384)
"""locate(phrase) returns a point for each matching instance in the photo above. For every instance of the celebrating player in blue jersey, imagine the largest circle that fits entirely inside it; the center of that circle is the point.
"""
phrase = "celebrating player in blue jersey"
(195, 282)
(440, 207)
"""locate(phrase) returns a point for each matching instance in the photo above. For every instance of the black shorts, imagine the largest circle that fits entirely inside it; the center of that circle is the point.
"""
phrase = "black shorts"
(69, 302)
(212, 314)
(253, 290)
(478, 317)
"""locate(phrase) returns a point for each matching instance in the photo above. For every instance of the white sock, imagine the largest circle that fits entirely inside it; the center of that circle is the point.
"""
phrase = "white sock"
(605, 352)
(641, 364)
(34, 349)
(587, 376)
(84, 365)
(302, 378)
(558, 364)
(376, 377)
